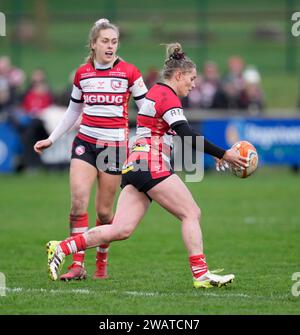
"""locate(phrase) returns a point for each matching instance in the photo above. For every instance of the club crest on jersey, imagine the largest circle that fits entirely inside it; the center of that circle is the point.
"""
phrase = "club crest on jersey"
(80, 150)
(116, 84)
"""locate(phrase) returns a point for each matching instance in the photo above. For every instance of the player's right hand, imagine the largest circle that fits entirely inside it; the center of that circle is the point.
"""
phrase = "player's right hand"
(40, 146)
(221, 164)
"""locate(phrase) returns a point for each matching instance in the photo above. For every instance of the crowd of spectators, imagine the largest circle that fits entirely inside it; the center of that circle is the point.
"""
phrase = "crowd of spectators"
(238, 89)
(22, 104)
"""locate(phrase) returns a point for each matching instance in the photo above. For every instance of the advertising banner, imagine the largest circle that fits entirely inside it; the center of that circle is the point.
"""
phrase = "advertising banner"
(277, 140)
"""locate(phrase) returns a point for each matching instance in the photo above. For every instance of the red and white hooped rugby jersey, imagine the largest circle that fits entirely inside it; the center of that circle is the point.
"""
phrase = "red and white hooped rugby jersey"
(105, 94)
(161, 109)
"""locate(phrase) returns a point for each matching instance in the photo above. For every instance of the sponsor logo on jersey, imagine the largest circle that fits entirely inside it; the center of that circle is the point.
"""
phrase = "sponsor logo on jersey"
(80, 150)
(100, 85)
(117, 74)
(89, 74)
(103, 98)
(88, 85)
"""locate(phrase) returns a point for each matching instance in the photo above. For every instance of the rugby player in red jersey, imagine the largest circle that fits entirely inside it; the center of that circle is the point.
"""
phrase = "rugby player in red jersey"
(147, 175)
(101, 92)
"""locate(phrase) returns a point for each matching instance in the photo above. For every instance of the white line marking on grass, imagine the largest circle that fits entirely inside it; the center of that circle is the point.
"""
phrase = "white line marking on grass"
(132, 293)
(143, 294)
(229, 295)
(43, 290)
(218, 293)
(260, 220)
(249, 220)
(147, 294)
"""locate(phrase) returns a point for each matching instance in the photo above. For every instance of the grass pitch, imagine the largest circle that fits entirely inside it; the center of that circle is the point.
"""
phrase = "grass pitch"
(251, 228)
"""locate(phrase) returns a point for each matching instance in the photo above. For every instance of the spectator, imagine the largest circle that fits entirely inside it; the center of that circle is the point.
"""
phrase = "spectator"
(233, 82)
(63, 99)
(37, 76)
(5, 93)
(11, 80)
(36, 99)
(251, 97)
(207, 92)
(210, 84)
(193, 100)
(151, 77)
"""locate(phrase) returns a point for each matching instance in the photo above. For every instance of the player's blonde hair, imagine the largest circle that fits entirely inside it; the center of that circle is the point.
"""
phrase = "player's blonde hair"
(99, 25)
(176, 59)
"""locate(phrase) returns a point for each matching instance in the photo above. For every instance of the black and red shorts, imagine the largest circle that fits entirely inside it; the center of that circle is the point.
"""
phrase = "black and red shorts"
(109, 159)
(142, 179)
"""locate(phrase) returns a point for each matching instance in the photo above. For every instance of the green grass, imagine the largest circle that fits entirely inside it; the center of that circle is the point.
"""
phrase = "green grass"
(251, 228)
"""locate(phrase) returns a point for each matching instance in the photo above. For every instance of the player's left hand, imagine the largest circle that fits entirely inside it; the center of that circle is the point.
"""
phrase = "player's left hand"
(234, 158)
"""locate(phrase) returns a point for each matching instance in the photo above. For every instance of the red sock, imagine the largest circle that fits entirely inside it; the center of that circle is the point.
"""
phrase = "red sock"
(73, 244)
(198, 265)
(79, 224)
(102, 250)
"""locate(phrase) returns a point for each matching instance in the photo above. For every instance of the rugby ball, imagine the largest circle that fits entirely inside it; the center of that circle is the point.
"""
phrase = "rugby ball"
(246, 149)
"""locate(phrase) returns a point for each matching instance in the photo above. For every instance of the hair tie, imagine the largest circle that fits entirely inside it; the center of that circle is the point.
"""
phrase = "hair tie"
(100, 21)
(177, 56)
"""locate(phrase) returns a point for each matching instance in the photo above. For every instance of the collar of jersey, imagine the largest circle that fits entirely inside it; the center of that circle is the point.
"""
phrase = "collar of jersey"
(98, 68)
(163, 84)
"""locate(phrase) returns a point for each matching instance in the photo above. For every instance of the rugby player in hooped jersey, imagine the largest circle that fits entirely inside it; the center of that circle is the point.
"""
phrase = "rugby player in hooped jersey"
(160, 112)
(101, 91)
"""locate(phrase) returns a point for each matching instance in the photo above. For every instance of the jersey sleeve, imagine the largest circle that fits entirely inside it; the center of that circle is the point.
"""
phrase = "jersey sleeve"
(170, 109)
(76, 95)
(136, 84)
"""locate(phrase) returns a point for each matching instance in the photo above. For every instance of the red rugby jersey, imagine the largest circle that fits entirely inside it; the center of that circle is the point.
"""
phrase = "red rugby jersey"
(161, 109)
(105, 94)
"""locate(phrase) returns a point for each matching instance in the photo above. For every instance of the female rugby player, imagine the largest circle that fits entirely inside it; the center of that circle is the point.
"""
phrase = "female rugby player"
(101, 92)
(147, 175)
